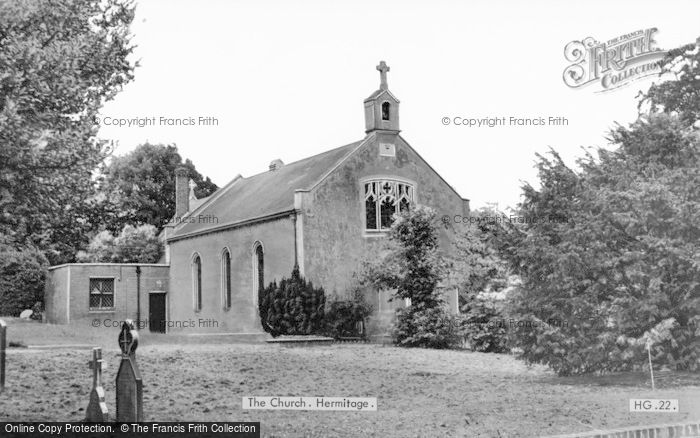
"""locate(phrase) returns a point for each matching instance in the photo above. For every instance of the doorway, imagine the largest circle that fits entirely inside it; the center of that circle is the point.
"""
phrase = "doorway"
(156, 312)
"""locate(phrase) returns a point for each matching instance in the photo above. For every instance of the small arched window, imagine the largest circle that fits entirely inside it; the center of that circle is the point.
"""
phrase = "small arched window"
(197, 282)
(226, 278)
(386, 110)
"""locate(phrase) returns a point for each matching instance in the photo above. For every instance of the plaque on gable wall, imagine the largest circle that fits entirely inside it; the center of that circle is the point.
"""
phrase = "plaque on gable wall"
(387, 150)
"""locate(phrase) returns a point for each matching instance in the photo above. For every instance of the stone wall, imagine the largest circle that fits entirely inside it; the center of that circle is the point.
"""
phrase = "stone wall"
(67, 291)
(334, 236)
(277, 239)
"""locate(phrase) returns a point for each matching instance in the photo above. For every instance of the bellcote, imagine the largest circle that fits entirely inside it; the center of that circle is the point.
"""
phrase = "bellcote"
(382, 108)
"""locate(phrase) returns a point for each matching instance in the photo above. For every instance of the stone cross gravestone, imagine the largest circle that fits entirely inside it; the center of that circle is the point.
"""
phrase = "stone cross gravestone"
(3, 342)
(129, 384)
(97, 408)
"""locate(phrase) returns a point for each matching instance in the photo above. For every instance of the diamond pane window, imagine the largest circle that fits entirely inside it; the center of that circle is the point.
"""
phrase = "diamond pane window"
(101, 293)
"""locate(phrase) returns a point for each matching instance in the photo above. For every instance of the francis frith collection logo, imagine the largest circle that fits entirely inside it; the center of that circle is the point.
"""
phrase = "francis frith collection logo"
(613, 63)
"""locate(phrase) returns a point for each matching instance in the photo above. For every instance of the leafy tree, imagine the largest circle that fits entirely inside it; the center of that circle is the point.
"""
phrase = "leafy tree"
(623, 262)
(680, 94)
(132, 245)
(60, 61)
(139, 187)
(412, 266)
(411, 263)
(477, 269)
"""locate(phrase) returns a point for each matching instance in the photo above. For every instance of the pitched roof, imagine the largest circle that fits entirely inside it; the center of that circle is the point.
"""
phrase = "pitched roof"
(262, 195)
(378, 93)
(195, 203)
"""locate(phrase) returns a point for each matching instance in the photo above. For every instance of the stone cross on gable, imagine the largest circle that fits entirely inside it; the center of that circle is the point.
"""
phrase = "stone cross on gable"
(383, 68)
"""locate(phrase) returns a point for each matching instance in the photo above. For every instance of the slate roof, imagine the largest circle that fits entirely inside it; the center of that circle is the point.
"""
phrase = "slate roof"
(195, 203)
(263, 194)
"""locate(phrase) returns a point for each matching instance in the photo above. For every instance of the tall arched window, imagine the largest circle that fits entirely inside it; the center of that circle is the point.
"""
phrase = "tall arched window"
(386, 110)
(197, 282)
(226, 278)
(258, 268)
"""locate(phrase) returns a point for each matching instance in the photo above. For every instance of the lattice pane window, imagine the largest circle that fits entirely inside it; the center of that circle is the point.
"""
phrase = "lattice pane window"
(101, 293)
(383, 199)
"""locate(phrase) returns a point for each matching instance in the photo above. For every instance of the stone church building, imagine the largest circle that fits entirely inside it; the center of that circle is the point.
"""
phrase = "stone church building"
(325, 213)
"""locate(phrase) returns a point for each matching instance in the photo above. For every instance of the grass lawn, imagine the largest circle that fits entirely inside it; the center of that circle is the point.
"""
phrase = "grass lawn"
(421, 393)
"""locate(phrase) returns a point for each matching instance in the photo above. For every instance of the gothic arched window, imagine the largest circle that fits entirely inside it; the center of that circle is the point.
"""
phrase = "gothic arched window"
(226, 278)
(386, 110)
(383, 199)
(197, 282)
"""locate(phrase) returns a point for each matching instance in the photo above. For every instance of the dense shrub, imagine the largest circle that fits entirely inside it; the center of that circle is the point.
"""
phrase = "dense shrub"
(37, 311)
(294, 307)
(431, 327)
(22, 276)
(343, 316)
(484, 326)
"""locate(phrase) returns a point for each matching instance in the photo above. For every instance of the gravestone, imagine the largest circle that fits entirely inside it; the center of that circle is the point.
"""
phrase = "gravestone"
(97, 408)
(3, 342)
(129, 384)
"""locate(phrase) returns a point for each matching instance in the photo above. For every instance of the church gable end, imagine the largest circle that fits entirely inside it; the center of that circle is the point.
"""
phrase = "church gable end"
(352, 206)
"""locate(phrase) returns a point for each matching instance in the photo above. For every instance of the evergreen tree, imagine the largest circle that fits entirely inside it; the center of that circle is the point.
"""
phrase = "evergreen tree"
(618, 265)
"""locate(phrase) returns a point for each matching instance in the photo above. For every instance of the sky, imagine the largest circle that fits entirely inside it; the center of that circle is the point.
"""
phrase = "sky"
(287, 80)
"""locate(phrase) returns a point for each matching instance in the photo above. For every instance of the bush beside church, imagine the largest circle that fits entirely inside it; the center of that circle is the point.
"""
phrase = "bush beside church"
(22, 278)
(294, 307)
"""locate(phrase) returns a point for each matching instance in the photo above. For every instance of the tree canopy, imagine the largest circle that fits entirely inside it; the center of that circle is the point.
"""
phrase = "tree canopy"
(619, 261)
(132, 245)
(139, 187)
(60, 61)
